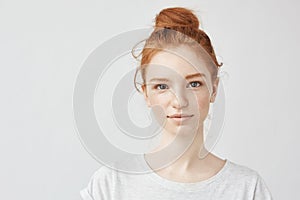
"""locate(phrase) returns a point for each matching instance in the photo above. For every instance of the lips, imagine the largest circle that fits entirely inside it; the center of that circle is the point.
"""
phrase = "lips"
(179, 116)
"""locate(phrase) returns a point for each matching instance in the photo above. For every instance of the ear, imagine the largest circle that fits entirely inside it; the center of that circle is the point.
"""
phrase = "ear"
(215, 89)
(144, 90)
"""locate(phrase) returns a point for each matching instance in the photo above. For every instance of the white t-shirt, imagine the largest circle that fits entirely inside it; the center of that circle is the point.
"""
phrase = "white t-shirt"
(232, 182)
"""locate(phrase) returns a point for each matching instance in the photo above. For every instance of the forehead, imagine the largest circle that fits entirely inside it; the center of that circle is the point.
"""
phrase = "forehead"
(179, 61)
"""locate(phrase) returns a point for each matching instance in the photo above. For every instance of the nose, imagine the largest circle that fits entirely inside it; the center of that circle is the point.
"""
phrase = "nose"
(179, 100)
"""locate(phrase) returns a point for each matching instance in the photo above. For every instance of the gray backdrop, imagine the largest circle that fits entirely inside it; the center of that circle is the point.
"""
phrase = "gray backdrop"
(44, 43)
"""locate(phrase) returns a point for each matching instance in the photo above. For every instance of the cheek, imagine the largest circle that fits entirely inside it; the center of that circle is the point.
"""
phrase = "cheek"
(159, 99)
(203, 102)
(159, 104)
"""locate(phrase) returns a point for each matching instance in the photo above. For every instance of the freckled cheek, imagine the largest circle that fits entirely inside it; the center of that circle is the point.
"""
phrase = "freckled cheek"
(159, 100)
(159, 107)
(203, 101)
(203, 104)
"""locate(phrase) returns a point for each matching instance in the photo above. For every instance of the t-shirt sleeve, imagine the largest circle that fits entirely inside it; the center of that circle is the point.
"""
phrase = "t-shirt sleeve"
(86, 194)
(261, 192)
(99, 185)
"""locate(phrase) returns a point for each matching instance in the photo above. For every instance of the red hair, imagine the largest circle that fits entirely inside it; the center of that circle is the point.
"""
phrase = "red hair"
(173, 27)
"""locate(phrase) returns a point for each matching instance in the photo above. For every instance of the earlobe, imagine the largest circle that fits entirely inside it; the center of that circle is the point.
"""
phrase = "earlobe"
(212, 99)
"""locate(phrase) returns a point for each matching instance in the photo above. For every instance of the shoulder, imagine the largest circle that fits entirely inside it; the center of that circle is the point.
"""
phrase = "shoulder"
(242, 171)
(111, 174)
(99, 185)
(103, 171)
(241, 175)
(248, 179)
(104, 176)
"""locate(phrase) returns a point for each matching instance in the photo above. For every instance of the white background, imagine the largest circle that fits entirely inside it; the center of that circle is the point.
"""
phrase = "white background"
(44, 43)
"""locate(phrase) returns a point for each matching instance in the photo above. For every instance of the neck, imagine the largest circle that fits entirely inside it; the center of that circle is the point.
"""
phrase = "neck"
(185, 149)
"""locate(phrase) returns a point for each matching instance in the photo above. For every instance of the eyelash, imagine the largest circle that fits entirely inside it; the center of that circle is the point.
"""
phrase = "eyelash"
(157, 85)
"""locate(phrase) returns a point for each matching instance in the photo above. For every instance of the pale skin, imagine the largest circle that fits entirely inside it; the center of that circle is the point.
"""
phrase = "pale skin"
(182, 90)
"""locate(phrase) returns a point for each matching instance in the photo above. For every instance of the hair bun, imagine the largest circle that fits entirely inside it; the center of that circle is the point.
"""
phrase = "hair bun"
(176, 17)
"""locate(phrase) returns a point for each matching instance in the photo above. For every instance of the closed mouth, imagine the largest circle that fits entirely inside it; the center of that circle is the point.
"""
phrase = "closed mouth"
(179, 116)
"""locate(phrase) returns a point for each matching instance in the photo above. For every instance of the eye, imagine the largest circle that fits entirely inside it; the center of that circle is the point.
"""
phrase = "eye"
(161, 86)
(195, 84)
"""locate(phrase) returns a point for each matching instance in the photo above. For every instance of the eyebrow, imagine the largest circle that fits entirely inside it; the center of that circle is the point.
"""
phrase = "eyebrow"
(195, 75)
(187, 77)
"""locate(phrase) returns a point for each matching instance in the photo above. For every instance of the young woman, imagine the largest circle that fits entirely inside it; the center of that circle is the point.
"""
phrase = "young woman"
(180, 79)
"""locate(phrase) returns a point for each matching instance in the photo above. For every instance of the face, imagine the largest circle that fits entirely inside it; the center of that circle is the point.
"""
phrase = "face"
(179, 89)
